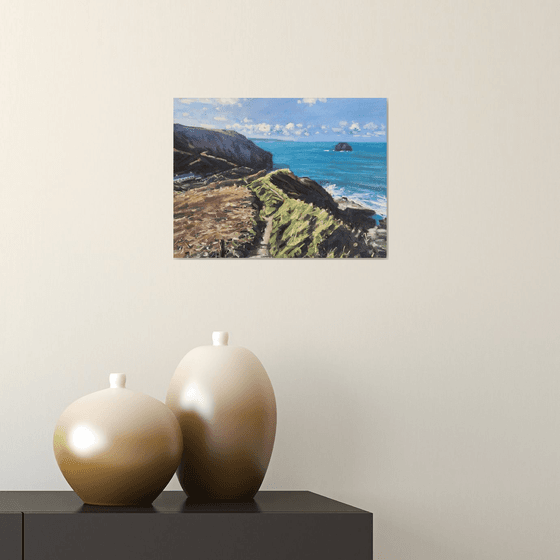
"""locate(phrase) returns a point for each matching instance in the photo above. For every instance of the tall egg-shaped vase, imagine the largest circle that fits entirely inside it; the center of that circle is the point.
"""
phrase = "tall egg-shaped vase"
(117, 447)
(225, 405)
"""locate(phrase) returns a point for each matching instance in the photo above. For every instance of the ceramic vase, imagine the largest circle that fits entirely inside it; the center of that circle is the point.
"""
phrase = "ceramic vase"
(225, 405)
(117, 447)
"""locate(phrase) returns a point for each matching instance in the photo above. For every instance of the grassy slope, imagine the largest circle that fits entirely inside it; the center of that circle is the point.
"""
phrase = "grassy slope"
(300, 229)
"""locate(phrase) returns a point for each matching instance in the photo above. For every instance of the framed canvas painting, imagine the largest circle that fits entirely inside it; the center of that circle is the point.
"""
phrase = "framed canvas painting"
(280, 178)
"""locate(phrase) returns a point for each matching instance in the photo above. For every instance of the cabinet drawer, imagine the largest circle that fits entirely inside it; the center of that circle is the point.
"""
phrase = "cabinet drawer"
(203, 536)
(11, 526)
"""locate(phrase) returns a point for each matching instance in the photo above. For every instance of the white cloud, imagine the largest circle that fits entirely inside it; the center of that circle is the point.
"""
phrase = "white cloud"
(266, 129)
(213, 100)
(370, 126)
(248, 129)
(225, 100)
(246, 120)
(220, 118)
(343, 123)
(312, 100)
(317, 132)
(336, 129)
(323, 127)
(355, 126)
(185, 114)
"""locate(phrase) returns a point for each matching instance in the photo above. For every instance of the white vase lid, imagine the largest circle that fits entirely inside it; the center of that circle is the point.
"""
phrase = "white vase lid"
(117, 380)
(220, 338)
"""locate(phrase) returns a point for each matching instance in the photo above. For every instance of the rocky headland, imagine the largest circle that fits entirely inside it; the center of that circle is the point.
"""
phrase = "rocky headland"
(201, 151)
(228, 202)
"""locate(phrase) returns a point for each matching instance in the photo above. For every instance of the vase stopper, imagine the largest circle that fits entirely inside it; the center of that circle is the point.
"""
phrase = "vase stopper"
(117, 380)
(220, 338)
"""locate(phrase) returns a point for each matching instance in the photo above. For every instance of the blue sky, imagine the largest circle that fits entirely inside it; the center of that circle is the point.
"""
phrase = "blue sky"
(300, 119)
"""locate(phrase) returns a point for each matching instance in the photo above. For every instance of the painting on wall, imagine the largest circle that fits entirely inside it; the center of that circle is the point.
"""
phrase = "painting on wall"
(280, 178)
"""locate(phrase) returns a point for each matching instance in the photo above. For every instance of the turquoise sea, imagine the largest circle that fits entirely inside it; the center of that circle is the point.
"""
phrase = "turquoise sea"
(360, 175)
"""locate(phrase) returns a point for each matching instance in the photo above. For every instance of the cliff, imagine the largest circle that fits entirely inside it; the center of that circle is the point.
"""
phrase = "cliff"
(303, 220)
(202, 151)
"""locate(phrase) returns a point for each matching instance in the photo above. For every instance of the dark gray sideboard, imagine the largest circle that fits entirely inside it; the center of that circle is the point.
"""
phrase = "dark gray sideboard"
(274, 526)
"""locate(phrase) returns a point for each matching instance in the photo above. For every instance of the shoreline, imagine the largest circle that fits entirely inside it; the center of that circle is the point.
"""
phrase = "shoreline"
(376, 235)
(348, 201)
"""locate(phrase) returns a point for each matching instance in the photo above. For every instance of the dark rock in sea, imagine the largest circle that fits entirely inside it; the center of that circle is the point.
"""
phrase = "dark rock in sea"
(343, 147)
(202, 151)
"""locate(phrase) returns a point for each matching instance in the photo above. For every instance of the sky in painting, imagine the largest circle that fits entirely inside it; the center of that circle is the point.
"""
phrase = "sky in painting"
(301, 119)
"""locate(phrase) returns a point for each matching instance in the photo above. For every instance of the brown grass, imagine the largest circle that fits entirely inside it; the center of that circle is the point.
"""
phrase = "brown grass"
(208, 218)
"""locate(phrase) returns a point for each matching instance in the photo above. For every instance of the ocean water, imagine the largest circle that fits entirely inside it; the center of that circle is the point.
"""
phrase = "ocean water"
(360, 175)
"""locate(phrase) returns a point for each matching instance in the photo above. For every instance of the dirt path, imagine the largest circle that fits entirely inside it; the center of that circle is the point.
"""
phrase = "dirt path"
(262, 251)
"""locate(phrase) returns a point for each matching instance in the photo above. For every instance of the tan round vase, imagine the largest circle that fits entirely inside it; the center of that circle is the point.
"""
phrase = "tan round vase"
(117, 447)
(225, 404)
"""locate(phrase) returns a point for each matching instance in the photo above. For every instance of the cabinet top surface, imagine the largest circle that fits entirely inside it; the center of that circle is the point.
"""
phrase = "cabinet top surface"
(175, 502)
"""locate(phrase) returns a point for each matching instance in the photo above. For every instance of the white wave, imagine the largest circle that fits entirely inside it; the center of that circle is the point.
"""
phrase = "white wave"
(333, 190)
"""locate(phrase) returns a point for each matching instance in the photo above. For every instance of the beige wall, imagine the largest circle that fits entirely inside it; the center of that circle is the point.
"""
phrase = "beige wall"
(424, 387)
